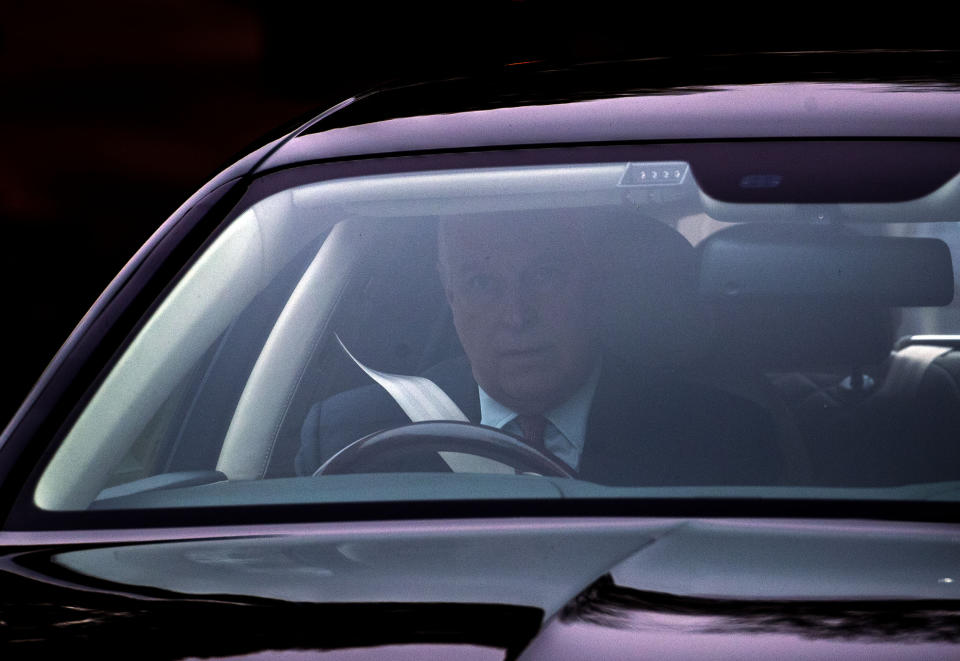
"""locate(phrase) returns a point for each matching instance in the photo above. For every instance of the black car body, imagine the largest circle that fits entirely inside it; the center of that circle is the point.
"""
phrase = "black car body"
(139, 520)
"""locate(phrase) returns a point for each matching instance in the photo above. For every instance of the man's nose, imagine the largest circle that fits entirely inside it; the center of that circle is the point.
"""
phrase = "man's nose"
(518, 307)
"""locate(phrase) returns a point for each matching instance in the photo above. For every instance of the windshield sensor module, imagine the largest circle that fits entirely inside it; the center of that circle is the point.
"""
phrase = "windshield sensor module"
(654, 174)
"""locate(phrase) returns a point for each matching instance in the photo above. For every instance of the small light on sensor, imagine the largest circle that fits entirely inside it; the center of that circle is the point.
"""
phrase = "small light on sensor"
(654, 174)
(945, 580)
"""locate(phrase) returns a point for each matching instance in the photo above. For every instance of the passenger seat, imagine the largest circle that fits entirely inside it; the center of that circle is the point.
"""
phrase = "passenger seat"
(813, 309)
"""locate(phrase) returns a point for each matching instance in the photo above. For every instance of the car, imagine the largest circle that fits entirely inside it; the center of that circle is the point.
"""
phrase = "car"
(654, 358)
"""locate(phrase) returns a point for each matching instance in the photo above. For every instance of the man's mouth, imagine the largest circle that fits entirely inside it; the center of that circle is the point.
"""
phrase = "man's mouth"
(524, 352)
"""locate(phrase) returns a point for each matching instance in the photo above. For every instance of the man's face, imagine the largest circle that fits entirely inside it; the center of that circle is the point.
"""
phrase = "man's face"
(519, 292)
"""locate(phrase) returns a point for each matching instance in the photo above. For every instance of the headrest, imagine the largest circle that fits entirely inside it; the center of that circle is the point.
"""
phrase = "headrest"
(648, 279)
(828, 263)
(790, 297)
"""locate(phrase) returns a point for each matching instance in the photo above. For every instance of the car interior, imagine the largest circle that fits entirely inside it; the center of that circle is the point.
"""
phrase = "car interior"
(826, 322)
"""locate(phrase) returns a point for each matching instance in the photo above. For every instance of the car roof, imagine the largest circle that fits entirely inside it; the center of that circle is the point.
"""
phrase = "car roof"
(773, 95)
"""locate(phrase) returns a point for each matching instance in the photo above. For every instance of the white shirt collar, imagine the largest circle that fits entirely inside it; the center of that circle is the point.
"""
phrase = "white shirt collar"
(570, 418)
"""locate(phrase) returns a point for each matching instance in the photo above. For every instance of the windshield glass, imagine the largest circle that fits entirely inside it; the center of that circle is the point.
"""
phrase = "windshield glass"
(572, 330)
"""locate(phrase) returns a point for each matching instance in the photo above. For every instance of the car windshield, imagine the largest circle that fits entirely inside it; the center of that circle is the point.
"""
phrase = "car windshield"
(578, 328)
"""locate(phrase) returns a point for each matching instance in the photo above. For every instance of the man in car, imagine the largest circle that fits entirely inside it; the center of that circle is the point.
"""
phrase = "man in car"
(520, 294)
(528, 297)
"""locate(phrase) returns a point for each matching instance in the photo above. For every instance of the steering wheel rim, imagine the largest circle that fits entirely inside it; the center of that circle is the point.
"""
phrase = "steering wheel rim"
(442, 436)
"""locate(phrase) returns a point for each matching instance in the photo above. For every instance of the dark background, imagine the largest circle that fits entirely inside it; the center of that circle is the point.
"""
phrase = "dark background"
(113, 112)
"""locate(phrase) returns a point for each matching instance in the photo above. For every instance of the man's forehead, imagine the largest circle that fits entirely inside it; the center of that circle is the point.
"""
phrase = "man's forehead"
(469, 236)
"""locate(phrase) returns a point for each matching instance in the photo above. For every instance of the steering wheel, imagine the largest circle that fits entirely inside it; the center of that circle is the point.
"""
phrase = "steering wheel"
(380, 449)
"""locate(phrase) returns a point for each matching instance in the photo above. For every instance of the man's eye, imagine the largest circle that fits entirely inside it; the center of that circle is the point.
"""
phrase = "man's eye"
(481, 287)
(479, 283)
(547, 274)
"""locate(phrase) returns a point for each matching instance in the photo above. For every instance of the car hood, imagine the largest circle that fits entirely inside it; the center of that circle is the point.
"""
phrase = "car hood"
(547, 588)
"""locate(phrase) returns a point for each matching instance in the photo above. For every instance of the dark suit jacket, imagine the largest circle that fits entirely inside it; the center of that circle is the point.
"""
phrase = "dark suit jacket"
(642, 429)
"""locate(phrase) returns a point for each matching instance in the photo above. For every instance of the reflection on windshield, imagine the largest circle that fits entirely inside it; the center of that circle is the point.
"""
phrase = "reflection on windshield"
(623, 326)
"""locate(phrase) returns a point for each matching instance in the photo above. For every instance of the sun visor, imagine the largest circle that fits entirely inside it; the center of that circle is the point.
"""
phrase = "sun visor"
(766, 261)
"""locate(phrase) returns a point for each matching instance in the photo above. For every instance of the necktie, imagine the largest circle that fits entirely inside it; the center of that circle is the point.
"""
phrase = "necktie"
(531, 429)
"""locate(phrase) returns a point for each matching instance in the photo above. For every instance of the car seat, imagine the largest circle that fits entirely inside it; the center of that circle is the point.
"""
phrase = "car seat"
(813, 309)
(657, 321)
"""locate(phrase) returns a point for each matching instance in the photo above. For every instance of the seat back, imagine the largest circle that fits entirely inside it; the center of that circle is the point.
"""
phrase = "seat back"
(650, 316)
(813, 309)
